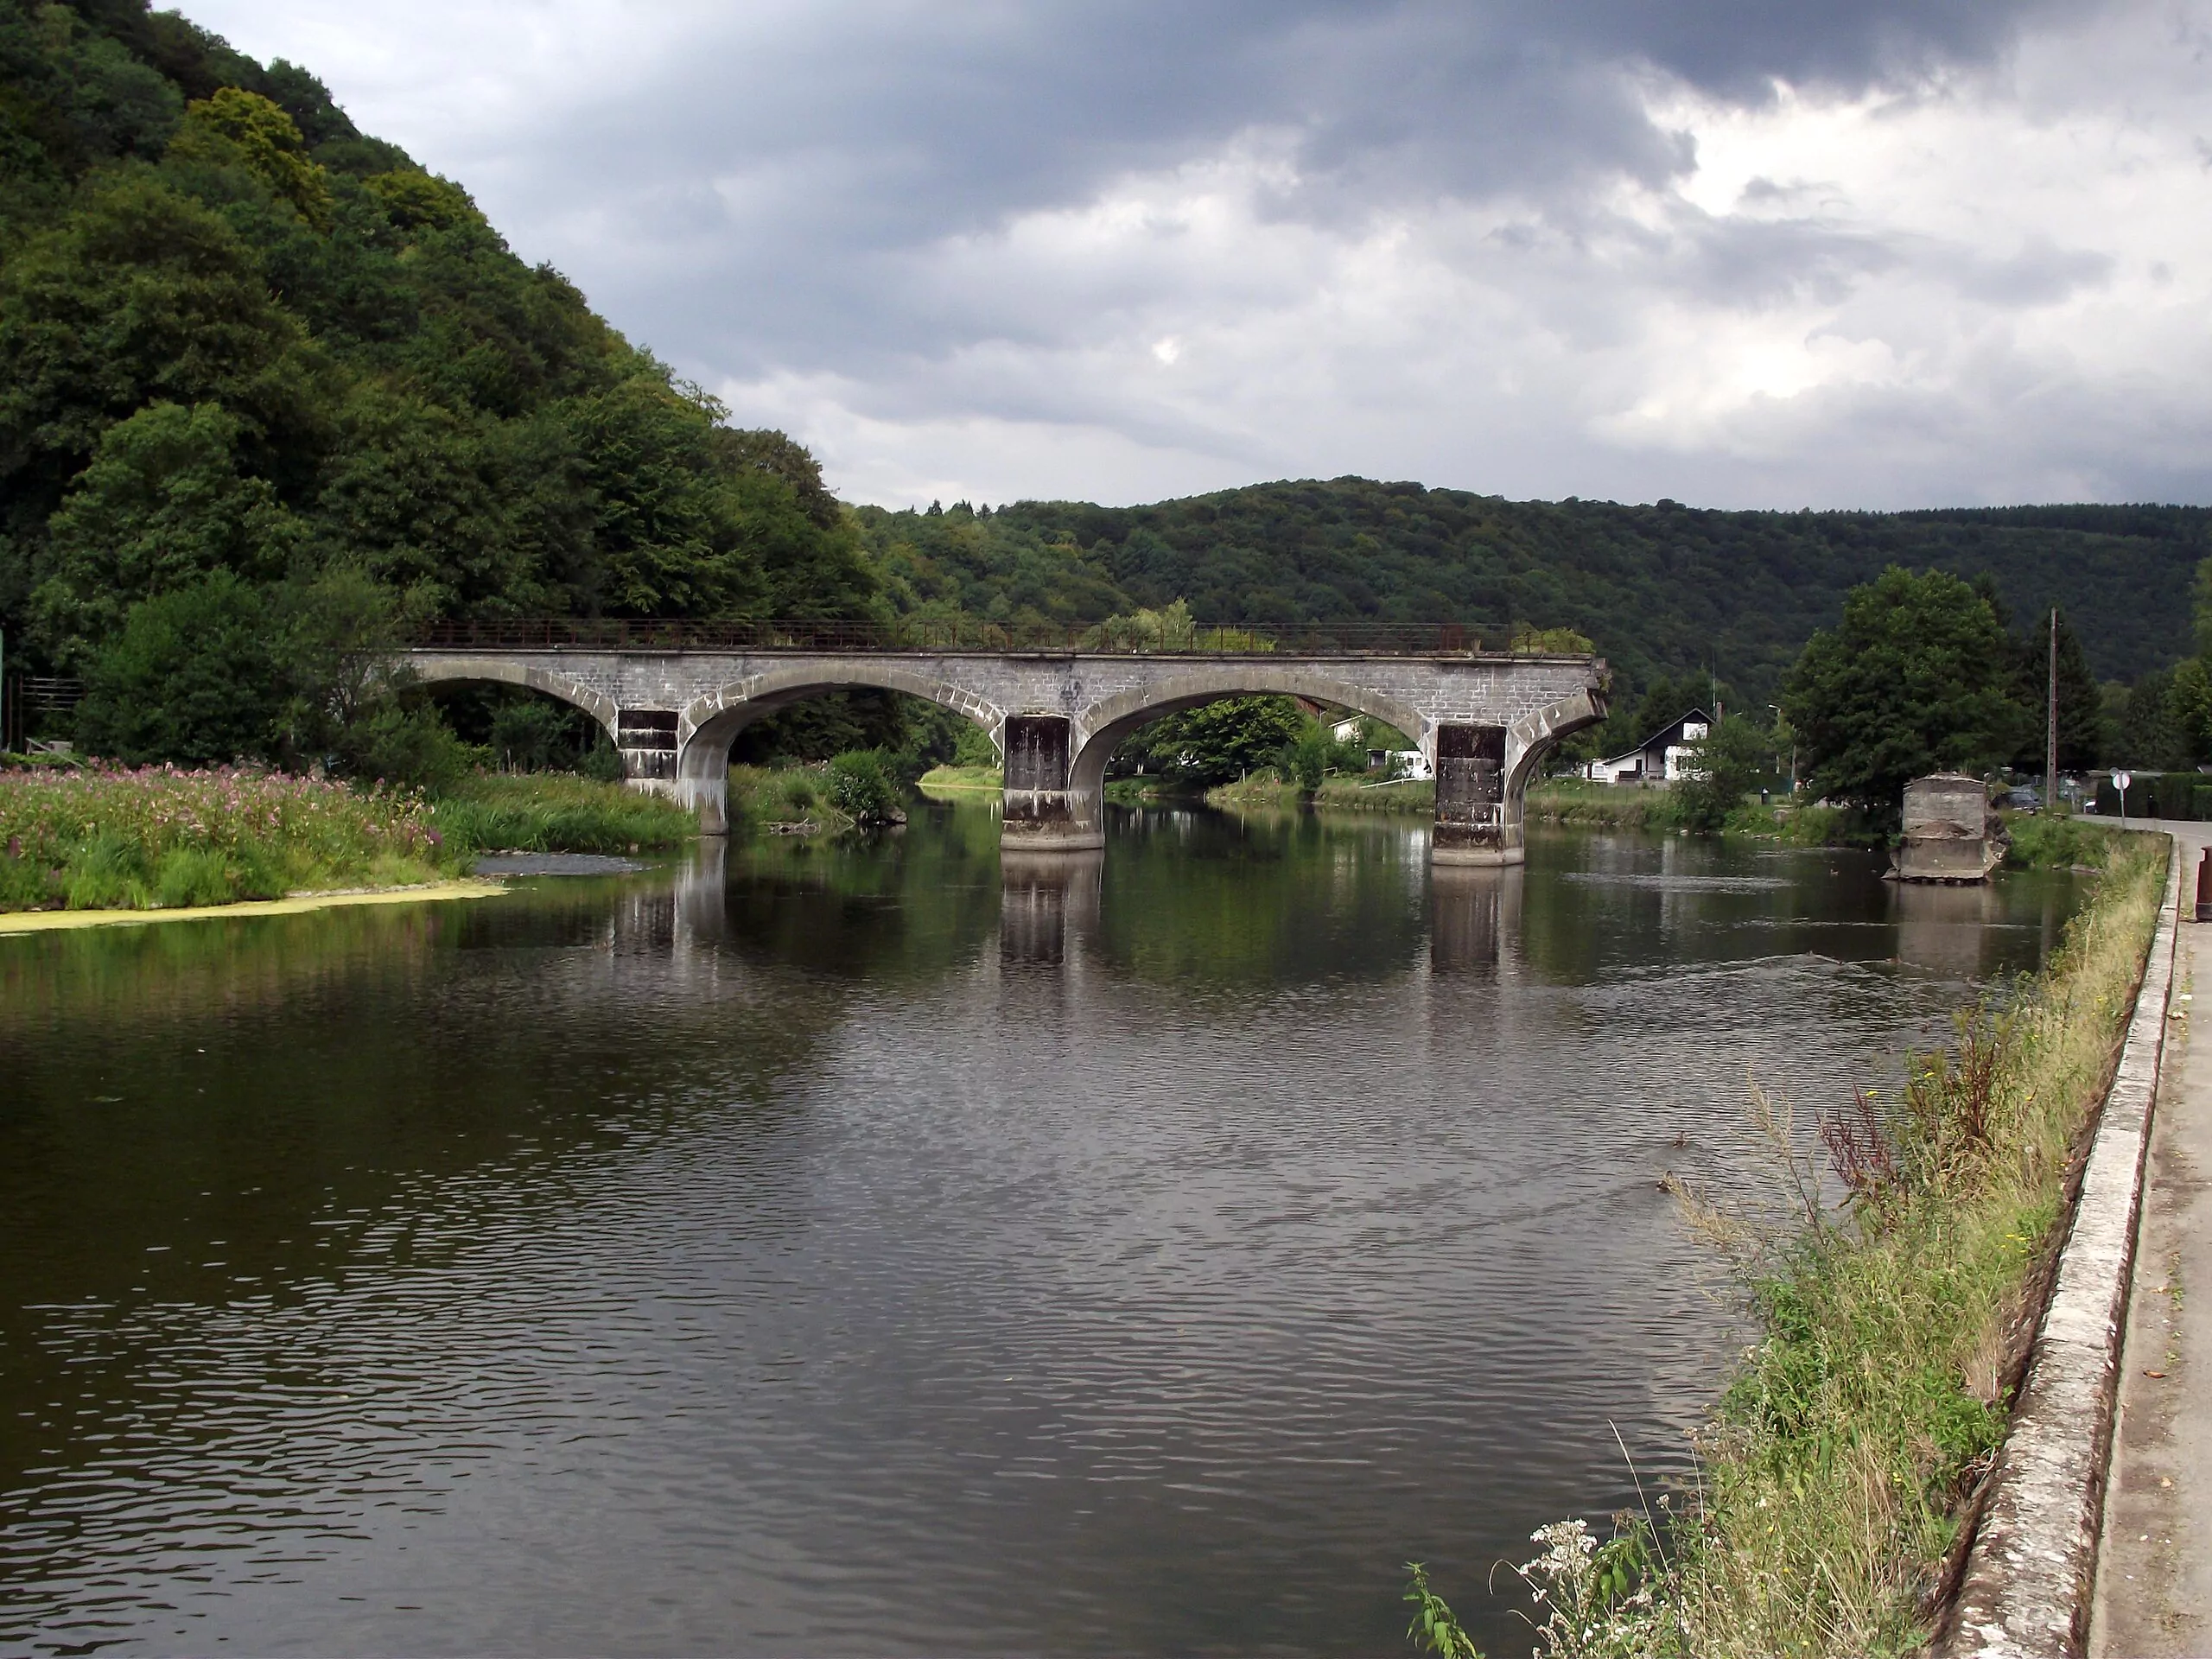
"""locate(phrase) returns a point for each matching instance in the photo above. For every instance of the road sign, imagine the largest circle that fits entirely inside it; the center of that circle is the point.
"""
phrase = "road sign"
(2120, 780)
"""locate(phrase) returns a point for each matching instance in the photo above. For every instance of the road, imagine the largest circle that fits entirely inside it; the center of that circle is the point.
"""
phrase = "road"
(2153, 1597)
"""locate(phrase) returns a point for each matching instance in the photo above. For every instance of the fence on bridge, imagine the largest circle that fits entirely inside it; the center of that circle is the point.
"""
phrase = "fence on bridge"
(974, 633)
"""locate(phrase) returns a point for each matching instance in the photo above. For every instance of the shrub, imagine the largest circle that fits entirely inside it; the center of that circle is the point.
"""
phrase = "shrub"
(190, 678)
(864, 786)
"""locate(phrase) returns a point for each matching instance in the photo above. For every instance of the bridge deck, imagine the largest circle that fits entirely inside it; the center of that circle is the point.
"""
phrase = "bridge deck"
(975, 636)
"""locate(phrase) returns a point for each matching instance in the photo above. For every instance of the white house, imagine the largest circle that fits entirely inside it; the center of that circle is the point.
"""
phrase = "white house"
(1400, 764)
(1658, 759)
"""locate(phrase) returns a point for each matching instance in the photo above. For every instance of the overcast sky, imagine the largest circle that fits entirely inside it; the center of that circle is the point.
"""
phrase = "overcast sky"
(1739, 252)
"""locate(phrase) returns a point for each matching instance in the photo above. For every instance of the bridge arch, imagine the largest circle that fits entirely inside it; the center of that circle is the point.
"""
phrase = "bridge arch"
(1102, 728)
(709, 723)
(446, 670)
(1531, 736)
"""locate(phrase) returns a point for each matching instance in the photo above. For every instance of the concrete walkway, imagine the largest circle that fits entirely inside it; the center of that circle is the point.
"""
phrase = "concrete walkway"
(2153, 1598)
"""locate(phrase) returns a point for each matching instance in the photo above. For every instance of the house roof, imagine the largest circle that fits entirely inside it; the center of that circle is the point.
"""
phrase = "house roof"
(1654, 739)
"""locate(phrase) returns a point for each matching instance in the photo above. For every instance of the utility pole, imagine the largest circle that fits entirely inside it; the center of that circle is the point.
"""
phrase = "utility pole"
(2051, 726)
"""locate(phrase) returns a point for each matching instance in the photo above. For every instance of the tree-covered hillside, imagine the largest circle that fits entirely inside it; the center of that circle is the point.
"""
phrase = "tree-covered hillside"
(239, 336)
(269, 392)
(1663, 590)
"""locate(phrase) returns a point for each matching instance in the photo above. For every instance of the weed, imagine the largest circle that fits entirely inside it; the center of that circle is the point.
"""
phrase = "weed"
(556, 812)
(1834, 1470)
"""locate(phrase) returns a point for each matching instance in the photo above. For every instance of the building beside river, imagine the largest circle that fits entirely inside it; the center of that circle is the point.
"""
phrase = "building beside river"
(1658, 759)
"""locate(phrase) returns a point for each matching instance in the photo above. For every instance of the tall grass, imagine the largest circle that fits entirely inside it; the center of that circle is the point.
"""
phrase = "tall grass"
(1602, 806)
(1837, 1466)
(1341, 792)
(556, 812)
(2057, 840)
(158, 838)
(989, 779)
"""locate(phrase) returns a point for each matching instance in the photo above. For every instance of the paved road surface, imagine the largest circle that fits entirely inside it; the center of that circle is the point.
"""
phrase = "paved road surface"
(2154, 1576)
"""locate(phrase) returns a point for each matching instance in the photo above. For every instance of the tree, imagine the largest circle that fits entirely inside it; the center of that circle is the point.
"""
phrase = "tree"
(236, 128)
(191, 678)
(1305, 759)
(1720, 768)
(2081, 738)
(1218, 741)
(162, 506)
(2152, 738)
(1916, 678)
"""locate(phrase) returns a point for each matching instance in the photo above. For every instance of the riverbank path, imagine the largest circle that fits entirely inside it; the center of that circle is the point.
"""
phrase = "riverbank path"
(2153, 1597)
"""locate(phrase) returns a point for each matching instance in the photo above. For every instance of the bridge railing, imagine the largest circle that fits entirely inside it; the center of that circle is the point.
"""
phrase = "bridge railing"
(969, 633)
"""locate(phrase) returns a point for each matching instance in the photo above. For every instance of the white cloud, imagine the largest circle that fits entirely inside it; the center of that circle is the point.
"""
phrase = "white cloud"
(972, 251)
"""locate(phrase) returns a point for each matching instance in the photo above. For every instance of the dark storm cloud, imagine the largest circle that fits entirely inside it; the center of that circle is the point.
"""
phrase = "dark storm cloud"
(1871, 251)
(770, 181)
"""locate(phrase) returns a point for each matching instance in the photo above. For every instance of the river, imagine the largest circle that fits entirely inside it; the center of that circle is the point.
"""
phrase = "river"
(856, 1249)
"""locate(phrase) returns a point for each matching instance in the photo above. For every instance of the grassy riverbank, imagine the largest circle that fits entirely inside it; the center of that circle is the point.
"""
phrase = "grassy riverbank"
(110, 838)
(1347, 793)
(1601, 806)
(1837, 1465)
(556, 812)
(2060, 842)
(987, 778)
(157, 838)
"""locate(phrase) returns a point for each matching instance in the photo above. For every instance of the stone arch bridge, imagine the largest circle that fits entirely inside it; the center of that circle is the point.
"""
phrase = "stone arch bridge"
(673, 699)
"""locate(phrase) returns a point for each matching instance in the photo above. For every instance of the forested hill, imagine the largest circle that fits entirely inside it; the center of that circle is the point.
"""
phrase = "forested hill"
(1662, 590)
(265, 367)
(269, 389)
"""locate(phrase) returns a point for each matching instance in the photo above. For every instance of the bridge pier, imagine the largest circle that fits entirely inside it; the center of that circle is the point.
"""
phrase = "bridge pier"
(1475, 823)
(1045, 811)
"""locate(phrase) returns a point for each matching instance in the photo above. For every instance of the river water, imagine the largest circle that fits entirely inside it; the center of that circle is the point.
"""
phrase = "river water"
(863, 1249)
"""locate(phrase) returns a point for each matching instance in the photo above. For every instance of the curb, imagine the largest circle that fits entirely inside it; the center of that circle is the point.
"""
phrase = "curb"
(2033, 1563)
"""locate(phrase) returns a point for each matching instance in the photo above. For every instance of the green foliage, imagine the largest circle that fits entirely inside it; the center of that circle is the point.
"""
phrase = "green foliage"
(1435, 1629)
(1664, 591)
(1306, 758)
(972, 746)
(191, 678)
(864, 786)
(1719, 770)
(1216, 741)
(396, 744)
(236, 128)
(1169, 629)
(555, 813)
(236, 335)
(102, 839)
(2155, 731)
(415, 201)
(1556, 642)
(1832, 1481)
(160, 505)
(2082, 739)
(1916, 679)
(2051, 841)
